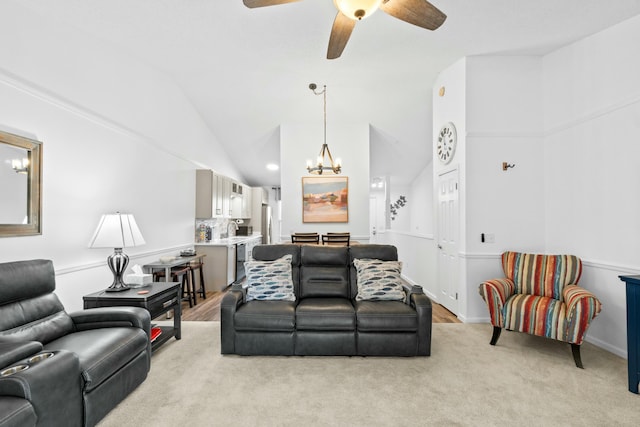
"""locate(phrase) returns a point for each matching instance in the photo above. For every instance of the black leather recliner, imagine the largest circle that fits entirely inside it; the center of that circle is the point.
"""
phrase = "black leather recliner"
(326, 318)
(58, 368)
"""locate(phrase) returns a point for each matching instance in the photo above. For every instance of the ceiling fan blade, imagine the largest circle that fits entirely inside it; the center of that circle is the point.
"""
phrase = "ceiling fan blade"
(261, 3)
(416, 12)
(340, 33)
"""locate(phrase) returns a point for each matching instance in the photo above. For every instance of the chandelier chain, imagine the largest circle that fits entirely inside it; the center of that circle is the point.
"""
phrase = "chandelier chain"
(320, 167)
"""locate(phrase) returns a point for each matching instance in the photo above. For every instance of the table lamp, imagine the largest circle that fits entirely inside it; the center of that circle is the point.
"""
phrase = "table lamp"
(117, 231)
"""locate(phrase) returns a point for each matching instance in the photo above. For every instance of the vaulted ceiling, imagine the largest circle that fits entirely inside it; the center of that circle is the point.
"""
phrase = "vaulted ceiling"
(247, 71)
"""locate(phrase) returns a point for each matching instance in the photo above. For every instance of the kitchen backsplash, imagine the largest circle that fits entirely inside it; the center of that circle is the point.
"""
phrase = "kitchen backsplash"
(210, 229)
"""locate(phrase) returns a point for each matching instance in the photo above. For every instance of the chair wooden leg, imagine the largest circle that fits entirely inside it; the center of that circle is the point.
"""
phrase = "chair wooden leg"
(496, 335)
(575, 350)
(192, 287)
(186, 289)
(202, 288)
(192, 277)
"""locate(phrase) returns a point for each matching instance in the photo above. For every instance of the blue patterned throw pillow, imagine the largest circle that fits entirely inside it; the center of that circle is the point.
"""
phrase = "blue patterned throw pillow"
(379, 280)
(269, 280)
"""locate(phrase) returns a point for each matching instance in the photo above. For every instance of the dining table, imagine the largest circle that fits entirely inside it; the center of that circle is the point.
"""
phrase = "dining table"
(167, 265)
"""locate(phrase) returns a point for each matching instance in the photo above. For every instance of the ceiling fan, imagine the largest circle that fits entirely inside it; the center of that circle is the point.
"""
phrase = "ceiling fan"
(416, 12)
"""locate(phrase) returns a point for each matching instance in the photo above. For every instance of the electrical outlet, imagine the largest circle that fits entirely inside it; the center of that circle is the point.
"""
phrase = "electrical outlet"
(487, 238)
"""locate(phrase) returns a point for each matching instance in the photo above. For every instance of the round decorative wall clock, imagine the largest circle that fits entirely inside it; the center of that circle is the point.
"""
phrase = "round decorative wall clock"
(447, 140)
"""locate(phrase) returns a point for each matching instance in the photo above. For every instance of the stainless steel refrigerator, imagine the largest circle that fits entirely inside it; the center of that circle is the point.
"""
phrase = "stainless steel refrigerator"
(266, 224)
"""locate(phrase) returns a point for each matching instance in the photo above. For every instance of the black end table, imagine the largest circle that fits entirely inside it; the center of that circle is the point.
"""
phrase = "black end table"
(161, 298)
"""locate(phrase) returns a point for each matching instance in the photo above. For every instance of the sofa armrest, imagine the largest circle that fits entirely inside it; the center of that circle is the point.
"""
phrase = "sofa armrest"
(53, 387)
(424, 309)
(237, 287)
(495, 293)
(582, 308)
(230, 303)
(108, 317)
(410, 290)
(12, 351)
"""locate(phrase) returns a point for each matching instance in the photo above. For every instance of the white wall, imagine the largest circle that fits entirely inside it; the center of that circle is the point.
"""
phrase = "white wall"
(349, 142)
(402, 221)
(495, 103)
(504, 123)
(592, 180)
(117, 135)
(421, 203)
(569, 121)
(451, 107)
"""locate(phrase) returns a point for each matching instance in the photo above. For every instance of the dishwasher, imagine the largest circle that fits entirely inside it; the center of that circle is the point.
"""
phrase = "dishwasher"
(241, 257)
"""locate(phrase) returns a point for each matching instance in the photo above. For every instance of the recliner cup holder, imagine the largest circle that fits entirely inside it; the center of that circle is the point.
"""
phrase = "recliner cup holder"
(39, 357)
(13, 370)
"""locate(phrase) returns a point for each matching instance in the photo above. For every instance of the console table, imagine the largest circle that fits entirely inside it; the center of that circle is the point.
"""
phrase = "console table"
(161, 298)
(633, 330)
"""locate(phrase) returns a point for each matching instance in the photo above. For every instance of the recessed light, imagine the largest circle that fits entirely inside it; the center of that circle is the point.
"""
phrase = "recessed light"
(273, 167)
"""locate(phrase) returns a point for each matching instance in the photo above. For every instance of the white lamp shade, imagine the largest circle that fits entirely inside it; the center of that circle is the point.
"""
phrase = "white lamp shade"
(117, 231)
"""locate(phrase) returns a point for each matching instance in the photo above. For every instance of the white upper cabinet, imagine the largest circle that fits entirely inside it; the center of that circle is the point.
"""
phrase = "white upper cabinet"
(218, 196)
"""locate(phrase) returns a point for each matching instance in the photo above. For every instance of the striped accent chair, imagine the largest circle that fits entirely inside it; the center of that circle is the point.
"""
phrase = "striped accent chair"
(540, 296)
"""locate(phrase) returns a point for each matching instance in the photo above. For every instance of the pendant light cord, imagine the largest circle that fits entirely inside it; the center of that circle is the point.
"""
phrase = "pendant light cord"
(324, 92)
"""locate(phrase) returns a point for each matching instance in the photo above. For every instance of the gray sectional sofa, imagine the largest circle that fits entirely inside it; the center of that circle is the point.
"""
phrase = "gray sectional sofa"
(326, 317)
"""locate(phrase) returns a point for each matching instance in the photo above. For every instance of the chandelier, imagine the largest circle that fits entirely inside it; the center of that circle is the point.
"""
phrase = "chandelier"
(321, 166)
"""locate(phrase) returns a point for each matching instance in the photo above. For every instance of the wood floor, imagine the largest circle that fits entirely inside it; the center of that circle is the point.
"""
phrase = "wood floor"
(209, 309)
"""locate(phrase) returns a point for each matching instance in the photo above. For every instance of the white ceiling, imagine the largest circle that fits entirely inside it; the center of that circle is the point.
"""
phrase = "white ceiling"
(247, 70)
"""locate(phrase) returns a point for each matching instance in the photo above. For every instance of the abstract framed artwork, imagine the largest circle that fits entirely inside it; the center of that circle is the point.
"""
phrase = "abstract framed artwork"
(325, 199)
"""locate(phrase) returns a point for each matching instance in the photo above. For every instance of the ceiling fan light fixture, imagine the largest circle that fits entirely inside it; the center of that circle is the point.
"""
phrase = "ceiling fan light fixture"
(357, 9)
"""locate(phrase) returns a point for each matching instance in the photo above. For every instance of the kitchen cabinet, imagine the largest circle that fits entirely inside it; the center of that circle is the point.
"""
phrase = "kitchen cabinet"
(246, 203)
(213, 194)
(219, 267)
(240, 201)
(224, 189)
(205, 192)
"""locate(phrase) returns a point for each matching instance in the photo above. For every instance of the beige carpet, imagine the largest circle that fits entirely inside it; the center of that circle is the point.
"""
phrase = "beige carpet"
(524, 380)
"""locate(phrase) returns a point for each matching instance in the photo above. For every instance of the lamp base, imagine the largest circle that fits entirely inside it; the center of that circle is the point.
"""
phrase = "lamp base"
(111, 288)
(117, 263)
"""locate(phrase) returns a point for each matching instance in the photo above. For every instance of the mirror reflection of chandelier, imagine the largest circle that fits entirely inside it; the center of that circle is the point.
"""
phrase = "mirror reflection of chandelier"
(321, 166)
(20, 166)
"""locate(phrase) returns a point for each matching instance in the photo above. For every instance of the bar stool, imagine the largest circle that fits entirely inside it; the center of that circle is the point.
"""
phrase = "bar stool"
(198, 265)
(181, 274)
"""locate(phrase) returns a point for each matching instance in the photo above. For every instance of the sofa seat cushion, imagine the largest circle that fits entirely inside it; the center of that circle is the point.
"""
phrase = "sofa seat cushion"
(270, 316)
(102, 351)
(325, 314)
(536, 315)
(387, 316)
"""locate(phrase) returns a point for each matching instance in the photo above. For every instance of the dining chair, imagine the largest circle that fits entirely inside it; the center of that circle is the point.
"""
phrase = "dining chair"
(338, 239)
(305, 238)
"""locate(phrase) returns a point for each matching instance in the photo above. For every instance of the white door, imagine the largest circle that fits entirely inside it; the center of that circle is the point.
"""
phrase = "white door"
(373, 220)
(448, 231)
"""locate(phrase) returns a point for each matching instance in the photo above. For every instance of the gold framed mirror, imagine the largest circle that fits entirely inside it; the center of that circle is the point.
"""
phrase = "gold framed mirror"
(20, 181)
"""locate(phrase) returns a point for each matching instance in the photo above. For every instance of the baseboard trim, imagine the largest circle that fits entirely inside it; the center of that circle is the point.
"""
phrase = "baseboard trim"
(606, 346)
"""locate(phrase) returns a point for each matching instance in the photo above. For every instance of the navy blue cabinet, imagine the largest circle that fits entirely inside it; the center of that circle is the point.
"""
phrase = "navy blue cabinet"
(633, 330)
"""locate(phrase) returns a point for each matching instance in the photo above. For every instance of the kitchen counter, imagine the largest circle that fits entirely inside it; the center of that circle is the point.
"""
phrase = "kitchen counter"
(230, 241)
(224, 258)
